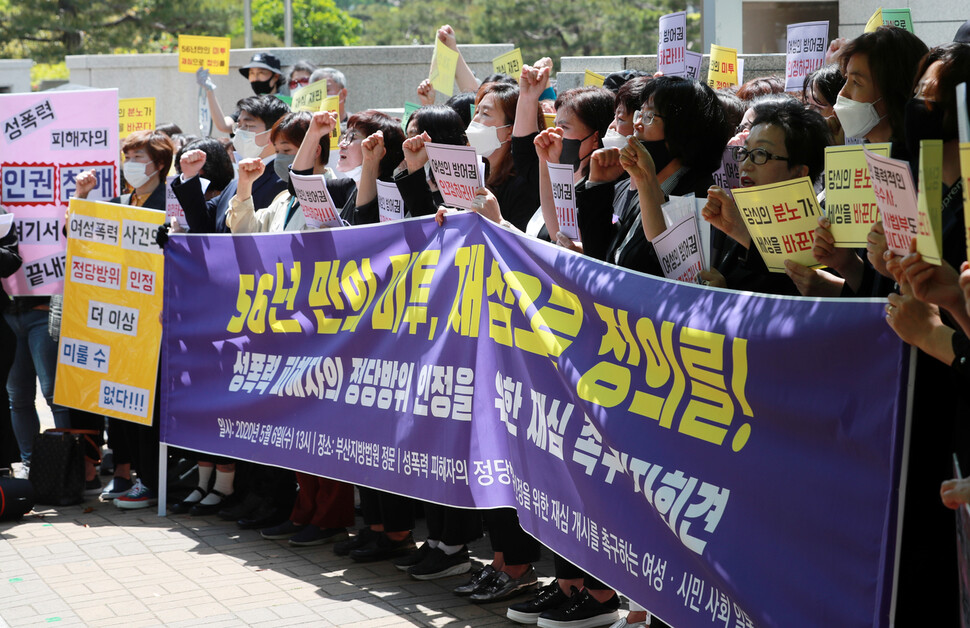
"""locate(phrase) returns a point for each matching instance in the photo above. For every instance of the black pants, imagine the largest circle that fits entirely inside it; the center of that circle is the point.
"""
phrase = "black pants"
(452, 526)
(565, 570)
(508, 537)
(394, 512)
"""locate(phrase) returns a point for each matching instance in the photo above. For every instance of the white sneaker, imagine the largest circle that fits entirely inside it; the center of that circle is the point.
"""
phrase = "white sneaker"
(22, 472)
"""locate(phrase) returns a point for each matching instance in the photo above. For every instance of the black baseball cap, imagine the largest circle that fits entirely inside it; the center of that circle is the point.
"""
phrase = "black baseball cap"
(264, 60)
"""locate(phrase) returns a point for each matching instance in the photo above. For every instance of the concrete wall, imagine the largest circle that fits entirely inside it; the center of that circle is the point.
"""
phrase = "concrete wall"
(934, 21)
(378, 76)
(573, 68)
(15, 75)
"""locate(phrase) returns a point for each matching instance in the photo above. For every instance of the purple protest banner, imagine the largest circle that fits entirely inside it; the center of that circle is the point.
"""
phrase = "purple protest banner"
(679, 442)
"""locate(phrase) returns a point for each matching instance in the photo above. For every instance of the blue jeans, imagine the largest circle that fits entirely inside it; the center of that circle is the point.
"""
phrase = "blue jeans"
(36, 358)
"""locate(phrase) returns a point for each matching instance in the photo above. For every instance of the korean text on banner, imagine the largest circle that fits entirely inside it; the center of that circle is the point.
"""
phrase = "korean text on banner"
(895, 193)
(475, 362)
(456, 172)
(390, 204)
(671, 53)
(444, 64)
(692, 62)
(332, 104)
(510, 63)
(929, 201)
(211, 53)
(728, 175)
(48, 140)
(593, 79)
(315, 202)
(849, 199)
(107, 359)
(135, 114)
(564, 196)
(680, 252)
(173, 209)
(723, 71)
(310, 97)
(781, 218)
(807, 43)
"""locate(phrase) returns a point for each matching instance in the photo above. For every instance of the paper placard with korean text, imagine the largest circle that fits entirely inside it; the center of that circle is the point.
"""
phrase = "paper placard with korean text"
(211, 53)
(107, 359)
(849, 200)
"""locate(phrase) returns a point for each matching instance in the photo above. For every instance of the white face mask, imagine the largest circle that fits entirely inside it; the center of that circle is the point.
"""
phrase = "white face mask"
(856, 118)
(245, 143)
(613, 139)
(484, 139)
(354, 173)
(135, 173)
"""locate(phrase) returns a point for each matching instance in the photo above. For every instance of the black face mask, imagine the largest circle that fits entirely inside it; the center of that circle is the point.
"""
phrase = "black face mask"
(261, 87)
(570, 152)
(922, 123)
(659, 152)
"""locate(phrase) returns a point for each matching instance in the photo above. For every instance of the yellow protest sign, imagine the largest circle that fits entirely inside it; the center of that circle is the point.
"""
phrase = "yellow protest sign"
(900, 18)
(965, 175)
(135, 114)
(929, 201)
(310, 97)
(444, 63)
(781, 218)
(510, 63)
(849, 199)
(196, 51)
(875, 21)
(332, 104)
(723, 70)
(592, 78)
(550, 120)
(107, 360)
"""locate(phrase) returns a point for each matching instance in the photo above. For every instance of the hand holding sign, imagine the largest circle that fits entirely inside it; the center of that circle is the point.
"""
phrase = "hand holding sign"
(486, 205)
(936, 284)
(415, 155)
(192, 163)
(827, 253)
(877, 250)
(549, 145)
(85, 182)
(911, 319)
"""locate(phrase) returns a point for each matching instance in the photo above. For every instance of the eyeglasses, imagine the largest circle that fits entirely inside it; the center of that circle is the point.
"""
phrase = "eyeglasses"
(349, 137)
(759, 156)
(248, 126)
(645, 118)
(294, 83)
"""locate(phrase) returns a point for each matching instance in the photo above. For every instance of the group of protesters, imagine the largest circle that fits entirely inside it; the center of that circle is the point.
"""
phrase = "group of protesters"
(633, 143)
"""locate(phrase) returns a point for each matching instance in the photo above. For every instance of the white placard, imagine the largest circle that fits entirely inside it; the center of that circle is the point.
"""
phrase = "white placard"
(805, 52)
(389, 201)
(315, 202)
(564, 195)
(671, 54)
(680, 251)
(456, 172)
(895, 193)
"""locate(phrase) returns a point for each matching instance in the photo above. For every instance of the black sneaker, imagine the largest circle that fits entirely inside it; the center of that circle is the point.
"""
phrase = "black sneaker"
(440, 565)
(364, 537)
(406, 562)
(582, 611)
(384, 548)
(92, 487)
(547, 598)
(502, 586)
(478, 580)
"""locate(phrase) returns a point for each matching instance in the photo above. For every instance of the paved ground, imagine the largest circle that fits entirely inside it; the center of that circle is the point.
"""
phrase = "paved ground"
(95, 565)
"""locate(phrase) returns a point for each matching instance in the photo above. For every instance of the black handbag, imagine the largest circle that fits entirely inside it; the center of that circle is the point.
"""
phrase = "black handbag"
(57, 466)
(16, 498)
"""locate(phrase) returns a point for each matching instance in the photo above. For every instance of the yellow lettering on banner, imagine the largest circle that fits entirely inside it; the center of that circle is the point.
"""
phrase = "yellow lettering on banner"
(359, 285)
(510, 63)
(197, 51)
(444, 63)
(113, 284)
(929, 201)
(283, 295)
(849, 200)
(723, 70)
(965, 175)
(325, 292)
(310, 97)
(390, 306)
(466, 309)
(592, 78)
(135, 114)
(781, 218)
(332, 104)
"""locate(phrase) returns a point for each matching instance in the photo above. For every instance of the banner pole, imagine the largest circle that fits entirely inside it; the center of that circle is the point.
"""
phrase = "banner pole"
(162, 479)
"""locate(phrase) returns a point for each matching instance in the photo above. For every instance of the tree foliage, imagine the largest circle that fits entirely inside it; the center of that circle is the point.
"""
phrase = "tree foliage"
(315, 22)
(47, 30)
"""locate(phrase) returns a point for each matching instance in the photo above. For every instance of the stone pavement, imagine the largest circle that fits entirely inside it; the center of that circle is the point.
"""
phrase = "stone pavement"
(95, 565)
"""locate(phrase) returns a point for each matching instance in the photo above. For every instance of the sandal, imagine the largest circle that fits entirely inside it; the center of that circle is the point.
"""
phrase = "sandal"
(199, 509)
(183, 506)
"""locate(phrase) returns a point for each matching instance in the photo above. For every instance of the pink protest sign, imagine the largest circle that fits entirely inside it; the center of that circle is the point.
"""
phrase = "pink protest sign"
(46, 140)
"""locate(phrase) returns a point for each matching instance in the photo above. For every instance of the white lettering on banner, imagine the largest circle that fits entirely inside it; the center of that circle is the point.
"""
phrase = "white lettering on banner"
(123, 398)
(96, 272)
(83, 354)
(446, 390)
